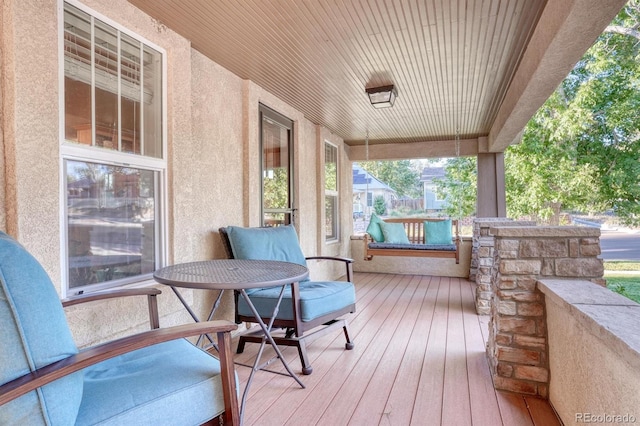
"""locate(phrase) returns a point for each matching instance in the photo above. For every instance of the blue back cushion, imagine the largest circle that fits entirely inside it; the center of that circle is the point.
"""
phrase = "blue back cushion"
(438, 232)
(278, 243)
(394, 233)
(33, 333)
(374, 229)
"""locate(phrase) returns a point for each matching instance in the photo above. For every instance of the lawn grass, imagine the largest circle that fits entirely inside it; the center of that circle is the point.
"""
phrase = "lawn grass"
(624, 278)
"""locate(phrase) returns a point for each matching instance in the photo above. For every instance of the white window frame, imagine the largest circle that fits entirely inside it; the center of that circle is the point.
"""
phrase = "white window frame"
(79, 152)
(332, 193)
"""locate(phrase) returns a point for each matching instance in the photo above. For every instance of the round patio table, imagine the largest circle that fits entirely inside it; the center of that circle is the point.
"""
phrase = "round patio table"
(239, 275)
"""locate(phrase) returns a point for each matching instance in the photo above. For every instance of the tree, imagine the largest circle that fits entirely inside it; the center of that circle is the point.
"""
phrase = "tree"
(542, 173)
(402, 176)
(458, 186)
(596, 122)
(379, 205)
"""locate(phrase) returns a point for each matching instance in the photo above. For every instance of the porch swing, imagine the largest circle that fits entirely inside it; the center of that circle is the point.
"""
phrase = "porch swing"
(413, 237)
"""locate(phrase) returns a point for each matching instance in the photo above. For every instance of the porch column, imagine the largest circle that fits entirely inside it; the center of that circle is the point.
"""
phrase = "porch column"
(482, 257)
(491, 190)
(517, 346)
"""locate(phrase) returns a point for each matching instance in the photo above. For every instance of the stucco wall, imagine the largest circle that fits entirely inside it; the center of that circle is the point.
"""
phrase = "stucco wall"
(594, 371)
(213, 158)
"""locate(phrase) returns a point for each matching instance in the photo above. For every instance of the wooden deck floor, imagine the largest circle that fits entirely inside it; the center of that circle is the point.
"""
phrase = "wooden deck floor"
(419, 359)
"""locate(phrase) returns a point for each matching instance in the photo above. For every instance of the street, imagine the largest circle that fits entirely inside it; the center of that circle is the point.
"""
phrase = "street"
(616, 245)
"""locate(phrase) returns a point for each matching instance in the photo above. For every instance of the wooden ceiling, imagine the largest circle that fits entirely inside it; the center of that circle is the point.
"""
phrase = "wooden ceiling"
(453, 62)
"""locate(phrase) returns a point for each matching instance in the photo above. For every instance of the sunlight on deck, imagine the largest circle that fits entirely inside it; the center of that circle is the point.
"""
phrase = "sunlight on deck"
(419, 358)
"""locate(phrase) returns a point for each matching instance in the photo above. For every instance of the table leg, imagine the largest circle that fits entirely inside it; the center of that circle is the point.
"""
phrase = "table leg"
(195, 317)
(266, 330)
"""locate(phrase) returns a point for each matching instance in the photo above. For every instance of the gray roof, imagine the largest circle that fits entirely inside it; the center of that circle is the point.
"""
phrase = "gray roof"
(430, 173)
(363, 180)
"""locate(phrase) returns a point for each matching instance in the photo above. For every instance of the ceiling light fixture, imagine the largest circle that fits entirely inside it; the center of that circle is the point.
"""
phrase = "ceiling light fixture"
(382, 97)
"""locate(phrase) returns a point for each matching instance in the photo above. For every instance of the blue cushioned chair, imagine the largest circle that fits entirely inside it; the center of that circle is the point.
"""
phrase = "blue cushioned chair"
(152, 378)
(309, 309)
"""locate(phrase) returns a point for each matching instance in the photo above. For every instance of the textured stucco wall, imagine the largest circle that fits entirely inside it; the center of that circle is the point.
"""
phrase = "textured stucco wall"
(213, 157)
(30, 126)
(587, 374)
(3, 217)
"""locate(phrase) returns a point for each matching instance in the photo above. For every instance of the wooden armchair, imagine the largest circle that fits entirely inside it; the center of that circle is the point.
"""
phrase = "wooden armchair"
(155, 377)
(309, 309)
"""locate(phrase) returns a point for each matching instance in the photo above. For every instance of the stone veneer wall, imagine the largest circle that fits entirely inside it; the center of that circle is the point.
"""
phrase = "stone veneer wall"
(482, 258)
(518, 345)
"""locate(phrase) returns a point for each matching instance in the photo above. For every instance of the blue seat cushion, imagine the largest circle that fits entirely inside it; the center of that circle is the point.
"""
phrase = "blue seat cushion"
(150, 385)
(317, 298)
(426, 247)
(33, 333)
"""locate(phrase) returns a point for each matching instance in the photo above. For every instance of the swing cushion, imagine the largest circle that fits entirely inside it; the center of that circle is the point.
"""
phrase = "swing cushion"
(438, 232)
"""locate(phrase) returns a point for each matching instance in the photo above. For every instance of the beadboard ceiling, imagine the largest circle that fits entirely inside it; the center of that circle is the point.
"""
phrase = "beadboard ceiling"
(471, 68)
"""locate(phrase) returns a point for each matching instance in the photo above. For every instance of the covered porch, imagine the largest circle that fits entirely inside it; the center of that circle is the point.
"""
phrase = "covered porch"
(469, 75)
(420, 358)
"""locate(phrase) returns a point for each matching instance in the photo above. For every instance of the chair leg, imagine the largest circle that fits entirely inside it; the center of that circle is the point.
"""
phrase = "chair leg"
(241, 343)
(349, 345)
(304, 359)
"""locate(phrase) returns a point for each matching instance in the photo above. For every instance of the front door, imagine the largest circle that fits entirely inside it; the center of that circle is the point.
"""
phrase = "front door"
(276, 140)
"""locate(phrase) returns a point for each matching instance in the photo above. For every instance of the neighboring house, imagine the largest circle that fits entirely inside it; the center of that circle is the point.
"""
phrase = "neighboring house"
(432, 201)
(366, 188)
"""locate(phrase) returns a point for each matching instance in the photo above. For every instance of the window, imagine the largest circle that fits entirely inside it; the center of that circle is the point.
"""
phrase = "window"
(112, 150)
(331, 191)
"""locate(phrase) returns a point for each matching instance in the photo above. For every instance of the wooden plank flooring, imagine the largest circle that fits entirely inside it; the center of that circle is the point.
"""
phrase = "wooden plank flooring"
(419, 359)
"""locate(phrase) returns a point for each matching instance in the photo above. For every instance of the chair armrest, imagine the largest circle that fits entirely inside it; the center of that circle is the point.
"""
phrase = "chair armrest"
(347, 263)
(150, 292)
(90, 356)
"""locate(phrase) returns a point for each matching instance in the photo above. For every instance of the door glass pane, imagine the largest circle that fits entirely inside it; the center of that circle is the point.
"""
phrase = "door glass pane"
(275, 219)
(276, 172)
(111, 222)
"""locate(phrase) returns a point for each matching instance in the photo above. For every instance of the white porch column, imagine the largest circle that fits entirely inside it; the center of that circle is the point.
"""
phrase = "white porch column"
(491, 190)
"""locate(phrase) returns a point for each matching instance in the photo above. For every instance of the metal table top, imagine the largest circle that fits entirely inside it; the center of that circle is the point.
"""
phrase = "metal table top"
(231, 274)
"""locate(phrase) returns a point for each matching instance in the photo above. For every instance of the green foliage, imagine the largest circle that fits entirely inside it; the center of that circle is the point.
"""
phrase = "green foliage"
(629, 287)
(276, 189)
(542, 173)
(402, 176)
(581, 151)
(379, 205)
(459, 186)
(330, 176)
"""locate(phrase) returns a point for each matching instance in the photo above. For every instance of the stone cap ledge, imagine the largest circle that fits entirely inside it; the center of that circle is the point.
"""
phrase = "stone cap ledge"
(544, 231)
(500, 221)
(607, 315)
